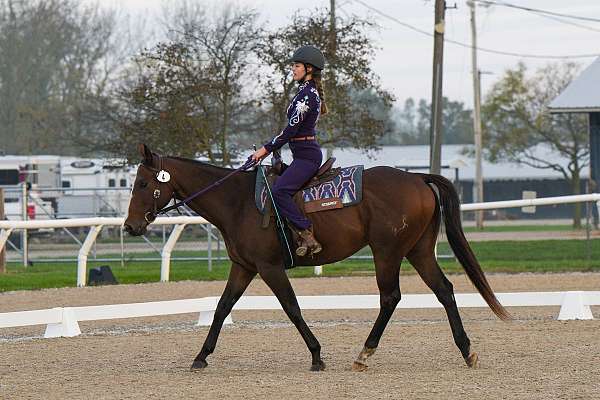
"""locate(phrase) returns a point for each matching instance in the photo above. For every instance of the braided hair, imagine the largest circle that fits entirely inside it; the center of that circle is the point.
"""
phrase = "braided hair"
(316, 76)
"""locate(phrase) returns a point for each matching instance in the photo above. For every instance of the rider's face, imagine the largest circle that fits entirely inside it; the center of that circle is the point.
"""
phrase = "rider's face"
(298, 71)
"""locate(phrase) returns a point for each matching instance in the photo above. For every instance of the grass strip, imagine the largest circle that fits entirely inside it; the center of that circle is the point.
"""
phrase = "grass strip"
(494, 256)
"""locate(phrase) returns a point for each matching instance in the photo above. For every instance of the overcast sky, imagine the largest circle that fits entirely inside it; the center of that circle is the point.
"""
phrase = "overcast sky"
(405, 58)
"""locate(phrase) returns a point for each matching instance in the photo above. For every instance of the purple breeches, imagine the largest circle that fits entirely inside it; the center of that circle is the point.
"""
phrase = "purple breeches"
(292, 179)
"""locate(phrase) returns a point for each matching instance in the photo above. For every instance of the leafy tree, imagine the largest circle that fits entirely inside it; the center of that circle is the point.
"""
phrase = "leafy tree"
(359, 109)
(188, 97)
(406, 122)
(457, 122)
(517, 121)
(169, 105)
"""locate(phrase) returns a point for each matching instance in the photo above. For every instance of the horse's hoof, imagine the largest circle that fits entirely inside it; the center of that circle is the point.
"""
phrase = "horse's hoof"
(198, 365)
(320, 366)
(473, 360)
(359, 367)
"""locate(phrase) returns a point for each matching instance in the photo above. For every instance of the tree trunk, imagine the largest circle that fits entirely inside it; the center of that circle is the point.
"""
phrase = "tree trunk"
(576, 186)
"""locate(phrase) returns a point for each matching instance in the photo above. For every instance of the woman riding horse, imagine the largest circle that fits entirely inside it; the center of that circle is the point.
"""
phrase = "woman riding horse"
(303, 114)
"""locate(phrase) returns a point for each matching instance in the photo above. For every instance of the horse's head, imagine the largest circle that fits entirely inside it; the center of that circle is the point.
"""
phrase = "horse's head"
(152, 191)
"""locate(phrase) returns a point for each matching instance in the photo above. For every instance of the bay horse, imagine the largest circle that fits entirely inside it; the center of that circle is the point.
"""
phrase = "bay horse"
(398, 217)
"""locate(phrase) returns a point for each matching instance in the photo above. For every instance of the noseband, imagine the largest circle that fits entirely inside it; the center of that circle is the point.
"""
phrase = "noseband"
(162, 176)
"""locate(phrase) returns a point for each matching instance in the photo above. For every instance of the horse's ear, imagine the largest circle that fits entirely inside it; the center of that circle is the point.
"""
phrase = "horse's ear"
(145, 153)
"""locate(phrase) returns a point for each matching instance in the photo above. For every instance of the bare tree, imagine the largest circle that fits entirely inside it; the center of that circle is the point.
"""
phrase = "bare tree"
(53, 57)
(224, 38)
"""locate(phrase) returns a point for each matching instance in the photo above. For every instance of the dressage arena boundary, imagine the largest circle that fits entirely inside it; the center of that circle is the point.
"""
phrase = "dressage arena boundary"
(96, 225)
(63, 321)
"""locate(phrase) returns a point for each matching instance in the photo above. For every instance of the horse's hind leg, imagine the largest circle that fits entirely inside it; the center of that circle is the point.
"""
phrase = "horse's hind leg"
(278, 282)
(423, 259)
(239, 279)
(387, 269)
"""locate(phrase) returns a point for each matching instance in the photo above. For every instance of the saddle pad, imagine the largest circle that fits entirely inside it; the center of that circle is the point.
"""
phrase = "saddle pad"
(346, 186)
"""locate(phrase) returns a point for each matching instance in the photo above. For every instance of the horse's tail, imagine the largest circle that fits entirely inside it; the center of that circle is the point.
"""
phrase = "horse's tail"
(456, 237)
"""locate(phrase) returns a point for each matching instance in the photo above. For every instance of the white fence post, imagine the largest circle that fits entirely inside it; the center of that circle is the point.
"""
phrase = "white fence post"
(165, 263)
(574, 307)
(318, 270)
(83, 254)
(4, 234)
(206, 317)
(67, 327)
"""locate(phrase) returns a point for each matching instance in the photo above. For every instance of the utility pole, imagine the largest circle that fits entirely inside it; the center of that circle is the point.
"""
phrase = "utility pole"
(435, 132)
(332, 51)
(3, 251)
(332, 33)
(476, 117)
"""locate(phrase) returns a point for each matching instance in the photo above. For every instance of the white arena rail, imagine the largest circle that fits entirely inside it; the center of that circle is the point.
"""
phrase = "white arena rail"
(542, 201)
(63, 321)
(96, 225)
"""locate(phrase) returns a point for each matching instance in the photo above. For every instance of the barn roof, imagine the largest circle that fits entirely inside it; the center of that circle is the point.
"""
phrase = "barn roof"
(413, 158)
(581, 95)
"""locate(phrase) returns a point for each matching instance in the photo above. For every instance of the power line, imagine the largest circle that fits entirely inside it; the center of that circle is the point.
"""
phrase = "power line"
(485, 50)
(562, 21)
(535, 10)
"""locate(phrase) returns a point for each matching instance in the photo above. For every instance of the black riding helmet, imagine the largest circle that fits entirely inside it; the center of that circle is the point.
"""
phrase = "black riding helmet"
(309, 55)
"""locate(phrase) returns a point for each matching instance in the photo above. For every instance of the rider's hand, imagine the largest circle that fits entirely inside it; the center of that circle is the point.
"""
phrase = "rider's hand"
(260, 154)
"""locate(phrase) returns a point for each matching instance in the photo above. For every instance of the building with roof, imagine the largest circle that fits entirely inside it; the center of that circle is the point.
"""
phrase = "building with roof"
(502, 181)
(582, 95)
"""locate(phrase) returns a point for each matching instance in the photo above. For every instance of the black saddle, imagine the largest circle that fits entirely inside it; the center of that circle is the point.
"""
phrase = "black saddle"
(324, 174)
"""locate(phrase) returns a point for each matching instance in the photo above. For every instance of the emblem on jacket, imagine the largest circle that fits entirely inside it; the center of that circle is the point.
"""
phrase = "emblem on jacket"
(301, 108)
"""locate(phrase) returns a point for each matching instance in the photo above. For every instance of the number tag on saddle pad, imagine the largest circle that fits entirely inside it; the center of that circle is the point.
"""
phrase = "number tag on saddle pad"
(322, 205)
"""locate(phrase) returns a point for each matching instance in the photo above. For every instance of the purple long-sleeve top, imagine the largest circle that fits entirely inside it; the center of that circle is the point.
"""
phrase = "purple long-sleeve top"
(302, 114)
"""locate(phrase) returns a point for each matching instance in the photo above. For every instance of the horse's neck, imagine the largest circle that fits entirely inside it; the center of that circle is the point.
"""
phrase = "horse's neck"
(218, 204)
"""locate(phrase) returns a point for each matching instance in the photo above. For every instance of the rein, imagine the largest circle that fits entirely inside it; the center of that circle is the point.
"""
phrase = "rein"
(163, 176)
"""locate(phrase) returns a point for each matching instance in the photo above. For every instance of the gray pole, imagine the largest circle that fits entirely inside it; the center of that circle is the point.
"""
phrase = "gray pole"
(209, 243)
(3, 251)
(332, 51)
(332, 33)
(594, 123)
(122, 247)
(476, 118)
(435, 133)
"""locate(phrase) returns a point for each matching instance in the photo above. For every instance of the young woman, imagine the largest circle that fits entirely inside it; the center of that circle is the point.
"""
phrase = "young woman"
(303, 114)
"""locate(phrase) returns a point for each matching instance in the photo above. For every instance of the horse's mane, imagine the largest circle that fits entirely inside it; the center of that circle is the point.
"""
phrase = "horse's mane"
(203, 164)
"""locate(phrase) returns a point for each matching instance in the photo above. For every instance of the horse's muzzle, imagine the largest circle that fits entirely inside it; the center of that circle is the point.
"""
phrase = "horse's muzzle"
(134, 231)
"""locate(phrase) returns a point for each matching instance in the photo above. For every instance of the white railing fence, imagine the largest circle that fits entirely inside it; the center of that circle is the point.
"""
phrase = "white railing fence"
(96, 225)
(542, 201)
(64, 321)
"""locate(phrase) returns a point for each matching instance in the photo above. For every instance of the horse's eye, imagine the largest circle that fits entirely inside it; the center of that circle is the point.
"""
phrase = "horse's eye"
(143, 184)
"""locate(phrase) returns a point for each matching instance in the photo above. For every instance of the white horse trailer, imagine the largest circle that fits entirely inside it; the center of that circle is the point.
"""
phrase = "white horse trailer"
(99, 187)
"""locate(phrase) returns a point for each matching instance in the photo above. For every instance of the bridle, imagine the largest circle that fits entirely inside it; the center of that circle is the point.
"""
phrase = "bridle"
(162, 176)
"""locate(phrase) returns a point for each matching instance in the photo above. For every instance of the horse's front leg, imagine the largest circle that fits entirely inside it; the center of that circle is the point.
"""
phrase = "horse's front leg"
(239, 279)
(277, 280)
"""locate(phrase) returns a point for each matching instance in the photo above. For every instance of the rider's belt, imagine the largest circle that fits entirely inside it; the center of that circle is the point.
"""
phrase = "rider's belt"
(302, 138)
